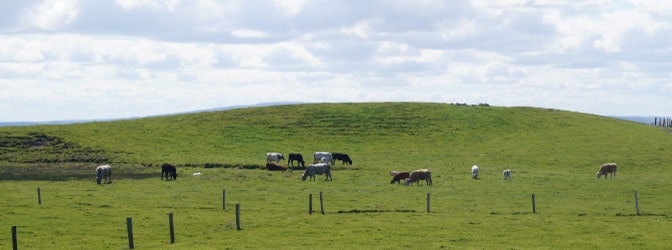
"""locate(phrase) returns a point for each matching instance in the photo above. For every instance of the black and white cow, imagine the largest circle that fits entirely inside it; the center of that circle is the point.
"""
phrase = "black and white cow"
(274, 157)
(507, 174)
(324, 157)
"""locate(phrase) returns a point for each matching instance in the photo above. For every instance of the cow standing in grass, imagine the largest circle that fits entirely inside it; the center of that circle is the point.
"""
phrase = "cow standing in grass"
(316, 168)
(296, 157)
(104, 174)
(474, 172)
(274, 157)
(418, 175)
(507, 174)
(398, 176)
(324, 157)
(606, 169)
(342, 157)
(169, 171)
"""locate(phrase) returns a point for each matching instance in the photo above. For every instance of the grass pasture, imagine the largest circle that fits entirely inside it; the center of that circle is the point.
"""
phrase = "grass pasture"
(553, 154)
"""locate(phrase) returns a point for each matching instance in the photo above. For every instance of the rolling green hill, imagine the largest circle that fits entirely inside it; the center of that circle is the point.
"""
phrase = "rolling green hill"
(376, 135)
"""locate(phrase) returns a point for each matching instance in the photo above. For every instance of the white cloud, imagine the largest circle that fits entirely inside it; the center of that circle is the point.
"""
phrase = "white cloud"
(290, 7)
(249, 34)
(51, 14)
(164, 56)
(152, 4)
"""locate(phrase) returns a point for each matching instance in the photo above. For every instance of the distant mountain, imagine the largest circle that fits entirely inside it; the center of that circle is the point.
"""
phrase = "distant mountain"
(640, 119)
(267, 104)
(16, 124)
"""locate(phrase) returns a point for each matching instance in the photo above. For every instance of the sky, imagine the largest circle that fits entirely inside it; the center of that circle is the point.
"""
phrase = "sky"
(117, 59)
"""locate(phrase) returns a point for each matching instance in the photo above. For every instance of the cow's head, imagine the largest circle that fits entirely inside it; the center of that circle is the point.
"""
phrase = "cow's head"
(303, 177)
(99, 175)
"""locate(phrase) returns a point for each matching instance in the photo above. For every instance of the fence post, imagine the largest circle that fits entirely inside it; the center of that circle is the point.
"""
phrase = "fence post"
(310, 203)
(172, 228)
(534, 205)
(224, 199)
(15, 244)
(39, 196)
(238, 216)
(428, 199)
(129, 228)
(321, 204)
(636, 202)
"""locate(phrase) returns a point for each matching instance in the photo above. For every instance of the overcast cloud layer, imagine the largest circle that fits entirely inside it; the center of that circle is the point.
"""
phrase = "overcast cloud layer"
(69, 59)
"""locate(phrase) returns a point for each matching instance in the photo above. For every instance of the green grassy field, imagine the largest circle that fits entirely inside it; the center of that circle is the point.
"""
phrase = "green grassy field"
(553, 154)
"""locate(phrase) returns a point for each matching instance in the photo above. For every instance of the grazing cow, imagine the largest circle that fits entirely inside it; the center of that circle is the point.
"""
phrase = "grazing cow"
(275, 167)
(328, 158)
(420, 174)
(296, 157)
(316, 168)
(606, 169)
(104, 173)
(342, 157)
(474, 172)
(169, 171)
(507, 174)
(400, 176)
(272, 156)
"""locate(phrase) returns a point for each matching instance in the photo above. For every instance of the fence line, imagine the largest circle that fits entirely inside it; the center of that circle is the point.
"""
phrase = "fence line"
(662, 122)
(129, 222)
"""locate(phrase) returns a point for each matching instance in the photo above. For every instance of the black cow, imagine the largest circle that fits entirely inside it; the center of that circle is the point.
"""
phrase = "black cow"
(296, 157)
(169, 171)
(343, 157)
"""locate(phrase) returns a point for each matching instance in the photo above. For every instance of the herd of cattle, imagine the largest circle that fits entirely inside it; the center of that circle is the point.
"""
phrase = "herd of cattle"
(321, 165)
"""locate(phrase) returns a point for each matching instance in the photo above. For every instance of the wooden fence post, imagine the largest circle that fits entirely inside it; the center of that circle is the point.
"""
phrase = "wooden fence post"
(428, 199)
(171, 228)
(224, 199)
(129, 228)
(15, 244)
(238, 216)
(321, 204)
(636, 202)
(310, 203)
(39, 196)
(534, 204)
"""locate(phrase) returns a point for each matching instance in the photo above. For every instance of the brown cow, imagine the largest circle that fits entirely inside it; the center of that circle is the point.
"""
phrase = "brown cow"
(275, 167)
(420, 174)
(606, 169)
(400, 176)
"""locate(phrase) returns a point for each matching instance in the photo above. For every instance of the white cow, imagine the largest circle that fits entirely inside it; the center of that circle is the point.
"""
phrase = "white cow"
(273, 156)
(507, 174)
(474, 172)
(328, 158)
(316, 168)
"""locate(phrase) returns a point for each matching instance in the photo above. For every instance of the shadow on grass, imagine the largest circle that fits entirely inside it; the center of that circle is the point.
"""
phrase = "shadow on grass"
(70, 172)
(357, 211)
(641, 214)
